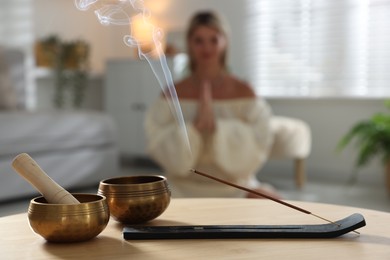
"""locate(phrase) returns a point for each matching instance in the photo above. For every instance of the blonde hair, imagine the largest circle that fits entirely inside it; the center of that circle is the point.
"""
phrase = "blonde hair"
(212, 20)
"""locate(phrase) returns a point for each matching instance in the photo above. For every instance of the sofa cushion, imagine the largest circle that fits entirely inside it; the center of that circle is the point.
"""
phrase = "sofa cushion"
(53, 131)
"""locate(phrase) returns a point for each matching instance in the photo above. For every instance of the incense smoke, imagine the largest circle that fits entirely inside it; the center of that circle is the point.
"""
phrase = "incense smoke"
(129, 13)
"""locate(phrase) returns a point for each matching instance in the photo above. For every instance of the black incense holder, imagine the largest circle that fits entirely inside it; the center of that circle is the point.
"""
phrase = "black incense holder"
(330, 230)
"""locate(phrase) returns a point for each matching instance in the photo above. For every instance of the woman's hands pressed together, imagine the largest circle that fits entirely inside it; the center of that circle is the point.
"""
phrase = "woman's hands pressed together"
(205, 121)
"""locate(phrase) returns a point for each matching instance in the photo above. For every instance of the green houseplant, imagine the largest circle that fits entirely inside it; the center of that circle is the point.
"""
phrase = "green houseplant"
(372, 139)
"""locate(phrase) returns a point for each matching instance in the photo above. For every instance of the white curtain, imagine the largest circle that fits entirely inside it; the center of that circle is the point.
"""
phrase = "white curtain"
(16, 33)
(324, 48)
(16, 23)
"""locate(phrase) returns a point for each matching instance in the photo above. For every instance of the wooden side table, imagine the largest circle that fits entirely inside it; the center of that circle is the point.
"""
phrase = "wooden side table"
(18, 241)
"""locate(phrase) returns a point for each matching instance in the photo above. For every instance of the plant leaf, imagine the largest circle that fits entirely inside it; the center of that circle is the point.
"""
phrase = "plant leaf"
(368, 149)
(387, 103)
(355, 131)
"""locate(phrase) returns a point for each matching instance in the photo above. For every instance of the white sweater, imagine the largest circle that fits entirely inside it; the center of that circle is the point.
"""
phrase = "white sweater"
(235, 152)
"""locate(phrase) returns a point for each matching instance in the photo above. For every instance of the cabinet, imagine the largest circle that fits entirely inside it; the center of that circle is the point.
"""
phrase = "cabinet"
(45, 87)
(130, 88)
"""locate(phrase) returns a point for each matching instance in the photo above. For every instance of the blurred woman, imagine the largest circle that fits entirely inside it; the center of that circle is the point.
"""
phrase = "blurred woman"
(227, 124)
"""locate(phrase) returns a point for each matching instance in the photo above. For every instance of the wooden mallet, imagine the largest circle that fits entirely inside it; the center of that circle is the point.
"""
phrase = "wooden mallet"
(30, 170)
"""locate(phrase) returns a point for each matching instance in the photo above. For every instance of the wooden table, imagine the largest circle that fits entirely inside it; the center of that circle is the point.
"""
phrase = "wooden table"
(19, 242)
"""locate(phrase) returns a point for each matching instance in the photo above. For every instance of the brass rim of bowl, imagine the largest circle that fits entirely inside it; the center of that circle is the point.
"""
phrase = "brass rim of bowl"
(126, 194)
(134, 186)
(143, 180)
(39, 205)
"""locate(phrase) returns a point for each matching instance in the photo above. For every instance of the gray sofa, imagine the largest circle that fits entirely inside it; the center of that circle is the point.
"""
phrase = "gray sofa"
(75, 148)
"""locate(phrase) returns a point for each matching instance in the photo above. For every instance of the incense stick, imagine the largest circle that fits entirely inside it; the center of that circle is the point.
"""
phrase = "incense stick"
(265, 196)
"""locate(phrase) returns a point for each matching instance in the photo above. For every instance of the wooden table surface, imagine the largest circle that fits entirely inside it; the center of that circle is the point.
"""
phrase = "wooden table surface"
(18, 241)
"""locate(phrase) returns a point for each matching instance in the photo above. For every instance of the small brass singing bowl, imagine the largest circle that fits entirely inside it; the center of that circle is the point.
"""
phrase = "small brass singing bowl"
(136, 199)
(64, 223)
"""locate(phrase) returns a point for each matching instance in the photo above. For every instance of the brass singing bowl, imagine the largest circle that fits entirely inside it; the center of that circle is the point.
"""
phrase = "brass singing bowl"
(69, 222)
(136, 199)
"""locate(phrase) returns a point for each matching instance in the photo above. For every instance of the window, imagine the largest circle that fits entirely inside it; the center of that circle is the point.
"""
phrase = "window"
(16, 23)
(319, 48)
(16, 32)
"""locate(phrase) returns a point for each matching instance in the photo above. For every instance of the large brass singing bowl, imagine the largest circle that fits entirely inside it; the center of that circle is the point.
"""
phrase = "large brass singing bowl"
(136, 199)
(69, 222)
